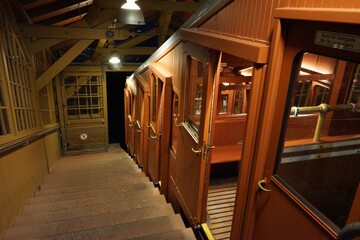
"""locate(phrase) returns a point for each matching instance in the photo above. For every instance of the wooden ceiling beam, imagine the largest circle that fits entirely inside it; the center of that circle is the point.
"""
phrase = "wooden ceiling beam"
(128, 51)
(156, 5)
(61, 63)
(41, 44)
(37, 4)
(164, 23)
(50, 14)
(21, 10)
(140, 38)
(49, 32)
(102, 55)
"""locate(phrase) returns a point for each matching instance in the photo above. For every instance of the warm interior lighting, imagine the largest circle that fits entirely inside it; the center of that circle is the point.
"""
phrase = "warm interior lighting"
(115, 62)
(246, 72)
(114, 58)
(130, 13)
(130, 5)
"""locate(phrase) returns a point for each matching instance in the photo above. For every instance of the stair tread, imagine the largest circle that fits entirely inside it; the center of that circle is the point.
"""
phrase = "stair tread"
(69, 189)
(90, 222)
(101, 179)
(95, 192)
(183, 234)
(95, 175)
(73, 168)
(97, 196)
(74, 203)
(127, 230)
(100, 208)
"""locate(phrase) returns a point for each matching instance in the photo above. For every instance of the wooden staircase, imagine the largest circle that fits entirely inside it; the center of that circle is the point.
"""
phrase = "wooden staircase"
(98, 196)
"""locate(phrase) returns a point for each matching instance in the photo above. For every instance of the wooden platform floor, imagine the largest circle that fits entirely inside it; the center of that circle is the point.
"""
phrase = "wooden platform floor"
(221, 200)
(98, 196)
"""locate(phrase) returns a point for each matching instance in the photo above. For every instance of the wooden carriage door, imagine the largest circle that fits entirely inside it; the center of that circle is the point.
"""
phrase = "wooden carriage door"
(192, 151)
(137, 124)
(142, 118)
(155, 127)
(130, 103)
(126, 114)
(306, 173)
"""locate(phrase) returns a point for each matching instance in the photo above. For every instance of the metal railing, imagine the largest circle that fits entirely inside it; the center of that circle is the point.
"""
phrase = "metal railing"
(322, 109)
(25, 141)
(349, 232)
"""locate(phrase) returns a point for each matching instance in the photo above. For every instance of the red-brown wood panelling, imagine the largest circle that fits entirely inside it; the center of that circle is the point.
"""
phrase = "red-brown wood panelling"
(253, 19)
(172, 62)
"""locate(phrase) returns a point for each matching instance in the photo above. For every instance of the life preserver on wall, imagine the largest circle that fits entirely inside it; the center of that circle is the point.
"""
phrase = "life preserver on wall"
(83, 136)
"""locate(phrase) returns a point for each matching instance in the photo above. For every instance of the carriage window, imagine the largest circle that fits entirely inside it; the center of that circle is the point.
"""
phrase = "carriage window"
(153, 98)
(354, 96)
(320, 151)
(194, 92)
(156, 89)
(175, 121)
(224, 103)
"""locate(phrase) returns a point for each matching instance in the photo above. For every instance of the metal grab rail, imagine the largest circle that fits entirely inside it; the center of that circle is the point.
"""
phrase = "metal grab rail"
(25, 141)
(349, 232)
(322, 109)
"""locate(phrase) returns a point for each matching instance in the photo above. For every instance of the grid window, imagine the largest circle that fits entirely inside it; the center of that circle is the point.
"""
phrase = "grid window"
(4, 121)
(45, 109)
(84, 97)
(19, 78)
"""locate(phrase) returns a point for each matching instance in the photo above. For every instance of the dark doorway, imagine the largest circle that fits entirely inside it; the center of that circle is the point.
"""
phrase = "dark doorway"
(115, 84)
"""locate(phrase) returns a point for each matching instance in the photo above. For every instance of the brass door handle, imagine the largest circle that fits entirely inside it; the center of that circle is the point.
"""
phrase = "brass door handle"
(260, 184)
(176, 124)
(196, 151)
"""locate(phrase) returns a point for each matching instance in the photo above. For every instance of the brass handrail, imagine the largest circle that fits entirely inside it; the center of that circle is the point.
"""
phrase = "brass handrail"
(322, 109)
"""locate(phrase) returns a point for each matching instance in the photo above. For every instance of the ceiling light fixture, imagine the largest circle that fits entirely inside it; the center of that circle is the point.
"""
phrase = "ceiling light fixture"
(130, 5)
(114, 58)
(130, 13)
(114, 61)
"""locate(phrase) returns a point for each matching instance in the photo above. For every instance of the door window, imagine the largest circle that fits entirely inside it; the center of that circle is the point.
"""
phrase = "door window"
(175, 122)
(156, 89)
(195, 74)
(319, 159)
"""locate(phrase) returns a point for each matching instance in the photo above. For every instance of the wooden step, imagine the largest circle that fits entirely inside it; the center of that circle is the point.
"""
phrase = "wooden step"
(91, 171)
(121, 189)
(103, 179)
(91, 160)
(75, 203)
(92, 222)
(73, 166)
(44, 192)
(183, 234)
(130, 230)
(81, 176)
(101, 208)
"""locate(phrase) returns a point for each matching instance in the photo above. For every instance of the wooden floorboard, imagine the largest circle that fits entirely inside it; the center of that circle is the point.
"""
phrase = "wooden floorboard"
(221, 201)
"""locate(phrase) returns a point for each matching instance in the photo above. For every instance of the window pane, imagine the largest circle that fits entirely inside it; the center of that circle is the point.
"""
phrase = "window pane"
(153, 98)
(175, 116)
(320, 155)
(84, 97)
(194, 92)
(224, 102)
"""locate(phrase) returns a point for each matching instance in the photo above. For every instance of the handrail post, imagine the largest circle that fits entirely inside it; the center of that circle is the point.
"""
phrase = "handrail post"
(320, 122)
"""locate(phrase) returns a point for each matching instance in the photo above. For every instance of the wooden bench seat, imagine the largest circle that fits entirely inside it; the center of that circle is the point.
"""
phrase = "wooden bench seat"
(227, 153)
